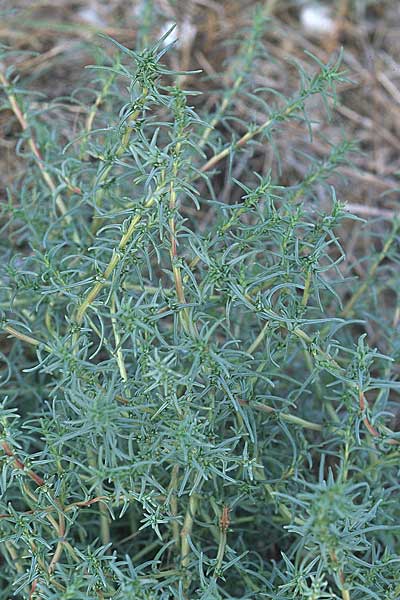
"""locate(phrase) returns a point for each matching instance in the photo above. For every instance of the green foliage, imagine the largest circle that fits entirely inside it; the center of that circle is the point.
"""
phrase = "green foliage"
(190, 407)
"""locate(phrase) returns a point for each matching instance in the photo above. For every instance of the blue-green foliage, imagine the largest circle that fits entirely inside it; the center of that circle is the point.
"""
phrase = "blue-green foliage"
(169, 355)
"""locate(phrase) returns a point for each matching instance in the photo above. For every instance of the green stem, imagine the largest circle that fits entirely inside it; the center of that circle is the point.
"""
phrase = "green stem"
(123, 145)
(248, 136)
(174, 503)
(221, 552)
(104, 517)
(286, 416)
(118, 350)
(381, 256)
(115, 259)
(24, 338)
(306, 291)
(25, 126)
(258, 339)
(176, 270)
(187, 530)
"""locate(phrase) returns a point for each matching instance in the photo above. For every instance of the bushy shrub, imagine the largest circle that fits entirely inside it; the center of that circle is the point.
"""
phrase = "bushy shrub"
(190, 407)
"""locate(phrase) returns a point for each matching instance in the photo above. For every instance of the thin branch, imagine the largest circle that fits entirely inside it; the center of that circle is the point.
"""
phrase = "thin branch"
(36, 152)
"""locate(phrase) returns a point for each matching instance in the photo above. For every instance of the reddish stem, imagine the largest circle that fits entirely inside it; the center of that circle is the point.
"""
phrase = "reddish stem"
(20, 465)
(366, 421)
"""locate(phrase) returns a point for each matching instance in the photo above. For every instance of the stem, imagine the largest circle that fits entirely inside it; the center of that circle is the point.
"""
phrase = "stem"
(381, 256)
(115, 259)
(60, 545)
(146, 550)
(99, 100)
(247, 53)
(14, 557)
(174, 503)
(306, 291)
(36, 152)
(224, 523)
(221, 551)
(60, 526)
(186, 321)
(248, 136)
(104, 520)
(118, 349)
(366, 421)
(248, 49)
(24, 338)
(285, 416)
(20, 465)
(97, 221)
(187, 529)
(258, 339)
(345, 593)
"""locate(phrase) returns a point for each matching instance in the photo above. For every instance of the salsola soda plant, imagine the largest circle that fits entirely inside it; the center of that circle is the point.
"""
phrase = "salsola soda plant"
(189, 405)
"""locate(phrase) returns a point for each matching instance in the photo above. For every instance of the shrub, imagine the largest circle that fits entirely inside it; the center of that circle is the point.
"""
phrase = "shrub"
(190, 407)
